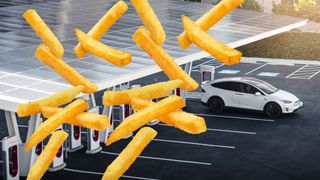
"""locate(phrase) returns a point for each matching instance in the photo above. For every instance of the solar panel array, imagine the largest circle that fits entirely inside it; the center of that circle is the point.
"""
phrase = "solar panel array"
(23, 78)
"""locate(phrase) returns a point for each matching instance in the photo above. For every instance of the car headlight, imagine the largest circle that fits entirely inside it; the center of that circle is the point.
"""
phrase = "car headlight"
(286, 101)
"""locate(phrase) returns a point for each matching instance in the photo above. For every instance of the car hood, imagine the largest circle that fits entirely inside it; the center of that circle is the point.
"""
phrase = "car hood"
(284, 95)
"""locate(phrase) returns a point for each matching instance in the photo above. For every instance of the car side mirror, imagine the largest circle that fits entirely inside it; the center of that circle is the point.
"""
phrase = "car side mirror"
(257, 94)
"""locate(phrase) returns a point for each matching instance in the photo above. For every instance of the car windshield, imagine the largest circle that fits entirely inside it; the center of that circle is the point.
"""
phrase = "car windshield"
(264, 86)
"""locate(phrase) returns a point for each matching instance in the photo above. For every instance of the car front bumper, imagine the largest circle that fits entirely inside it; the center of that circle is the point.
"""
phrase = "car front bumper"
(290, 108)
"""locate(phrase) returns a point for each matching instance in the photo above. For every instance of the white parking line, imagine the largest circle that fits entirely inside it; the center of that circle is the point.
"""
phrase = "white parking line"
(231, 131)
(193, 143)
(297, 70)
(256, 69)
(220, 130)
(235, 117)
(23, 126)
(99, 173)
(163, 159)
(314, 75)
(1, 162)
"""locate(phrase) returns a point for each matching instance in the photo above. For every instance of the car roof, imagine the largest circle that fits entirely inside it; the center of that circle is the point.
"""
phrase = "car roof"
(249, 80)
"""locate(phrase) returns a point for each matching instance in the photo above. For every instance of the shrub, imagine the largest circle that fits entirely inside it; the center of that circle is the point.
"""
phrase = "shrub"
(251, 5)
(305, 9)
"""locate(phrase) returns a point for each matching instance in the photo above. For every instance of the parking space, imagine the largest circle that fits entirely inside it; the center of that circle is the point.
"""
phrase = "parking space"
(237, 145)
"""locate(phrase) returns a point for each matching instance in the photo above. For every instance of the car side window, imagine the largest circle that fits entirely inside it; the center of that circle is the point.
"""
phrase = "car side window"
(231, 86)
(247, 88)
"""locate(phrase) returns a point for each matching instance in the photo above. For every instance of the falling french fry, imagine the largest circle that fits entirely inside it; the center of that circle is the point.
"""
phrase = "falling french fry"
(85, 119)
(46, 157)
(55, 100)
(51, 124)
(103, 25)
(129, 154)
(203, 40)
(150, 20)
(137, 120)
(44, 32)
(114, 56)
(64, 70)
(210, 18)
(148, 92)
(163, 59)
(187, 122)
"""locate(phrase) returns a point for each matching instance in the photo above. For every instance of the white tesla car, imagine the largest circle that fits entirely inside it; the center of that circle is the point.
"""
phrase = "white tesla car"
(248, 93)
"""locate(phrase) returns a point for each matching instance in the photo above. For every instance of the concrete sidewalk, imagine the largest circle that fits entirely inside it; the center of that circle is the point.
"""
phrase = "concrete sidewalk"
(311, 27)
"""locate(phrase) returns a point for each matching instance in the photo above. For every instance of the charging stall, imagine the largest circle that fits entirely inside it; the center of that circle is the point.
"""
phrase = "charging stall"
(10, 155)
(58, 161)
(207, 73)
(74, 140)
(125, 109)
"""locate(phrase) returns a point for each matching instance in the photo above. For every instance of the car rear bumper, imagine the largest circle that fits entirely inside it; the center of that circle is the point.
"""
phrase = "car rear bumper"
(293, 107)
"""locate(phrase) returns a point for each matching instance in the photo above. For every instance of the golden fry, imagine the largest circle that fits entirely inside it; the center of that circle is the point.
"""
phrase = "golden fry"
(44, 32)
(148, 92)
(55, 100)
(129, 154)
(103, 25)
(210, 18)
(46, 157)
(187, 122)
(142, 117)
(51, 124)
(85, 119)
(103, 51)
(203, 40)
(163, 59)
(64, 70)
(150, 20)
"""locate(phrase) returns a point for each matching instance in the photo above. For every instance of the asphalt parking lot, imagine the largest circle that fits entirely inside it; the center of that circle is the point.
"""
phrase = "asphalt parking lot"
(238, 144)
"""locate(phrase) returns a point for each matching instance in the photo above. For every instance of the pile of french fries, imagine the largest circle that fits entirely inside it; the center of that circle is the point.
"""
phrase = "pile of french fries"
(150, 39)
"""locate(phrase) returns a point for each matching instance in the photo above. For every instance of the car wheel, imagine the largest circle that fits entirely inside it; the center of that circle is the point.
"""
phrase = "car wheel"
(273, 110)
(216, 104)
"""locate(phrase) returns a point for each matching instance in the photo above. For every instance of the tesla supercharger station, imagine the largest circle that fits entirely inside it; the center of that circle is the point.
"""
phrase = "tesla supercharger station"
(58, 161)
(125, 109)
(207, 70)
(10, 155)
(93, 137)
(74, 139)
(154, 121)
(107, 110)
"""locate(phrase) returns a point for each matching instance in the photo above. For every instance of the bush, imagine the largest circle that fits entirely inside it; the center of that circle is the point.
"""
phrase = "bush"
(304, 9)
(284, 8)
(251, 5)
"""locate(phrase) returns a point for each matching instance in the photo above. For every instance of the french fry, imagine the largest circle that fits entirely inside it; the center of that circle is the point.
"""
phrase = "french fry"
(55, 100)
(163, 59)
(85, 119)
(187, 122)
(103, 25)
(142, 117)
(203, 40)
(46, 157)
(210, 18)
(148, 92)
(64, 70)
(51, 124)
(129, 154)
(103, 51)
(44, 32)
(150, 20)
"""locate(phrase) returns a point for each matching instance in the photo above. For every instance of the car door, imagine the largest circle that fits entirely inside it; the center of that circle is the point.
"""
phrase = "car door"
(229, 92)
(249, 99)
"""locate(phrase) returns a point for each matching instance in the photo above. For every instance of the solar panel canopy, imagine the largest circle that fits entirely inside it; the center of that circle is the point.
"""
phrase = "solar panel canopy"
(23, 78)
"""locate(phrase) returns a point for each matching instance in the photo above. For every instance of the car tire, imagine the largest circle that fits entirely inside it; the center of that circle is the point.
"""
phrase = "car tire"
(216, 104)
(272, 110)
